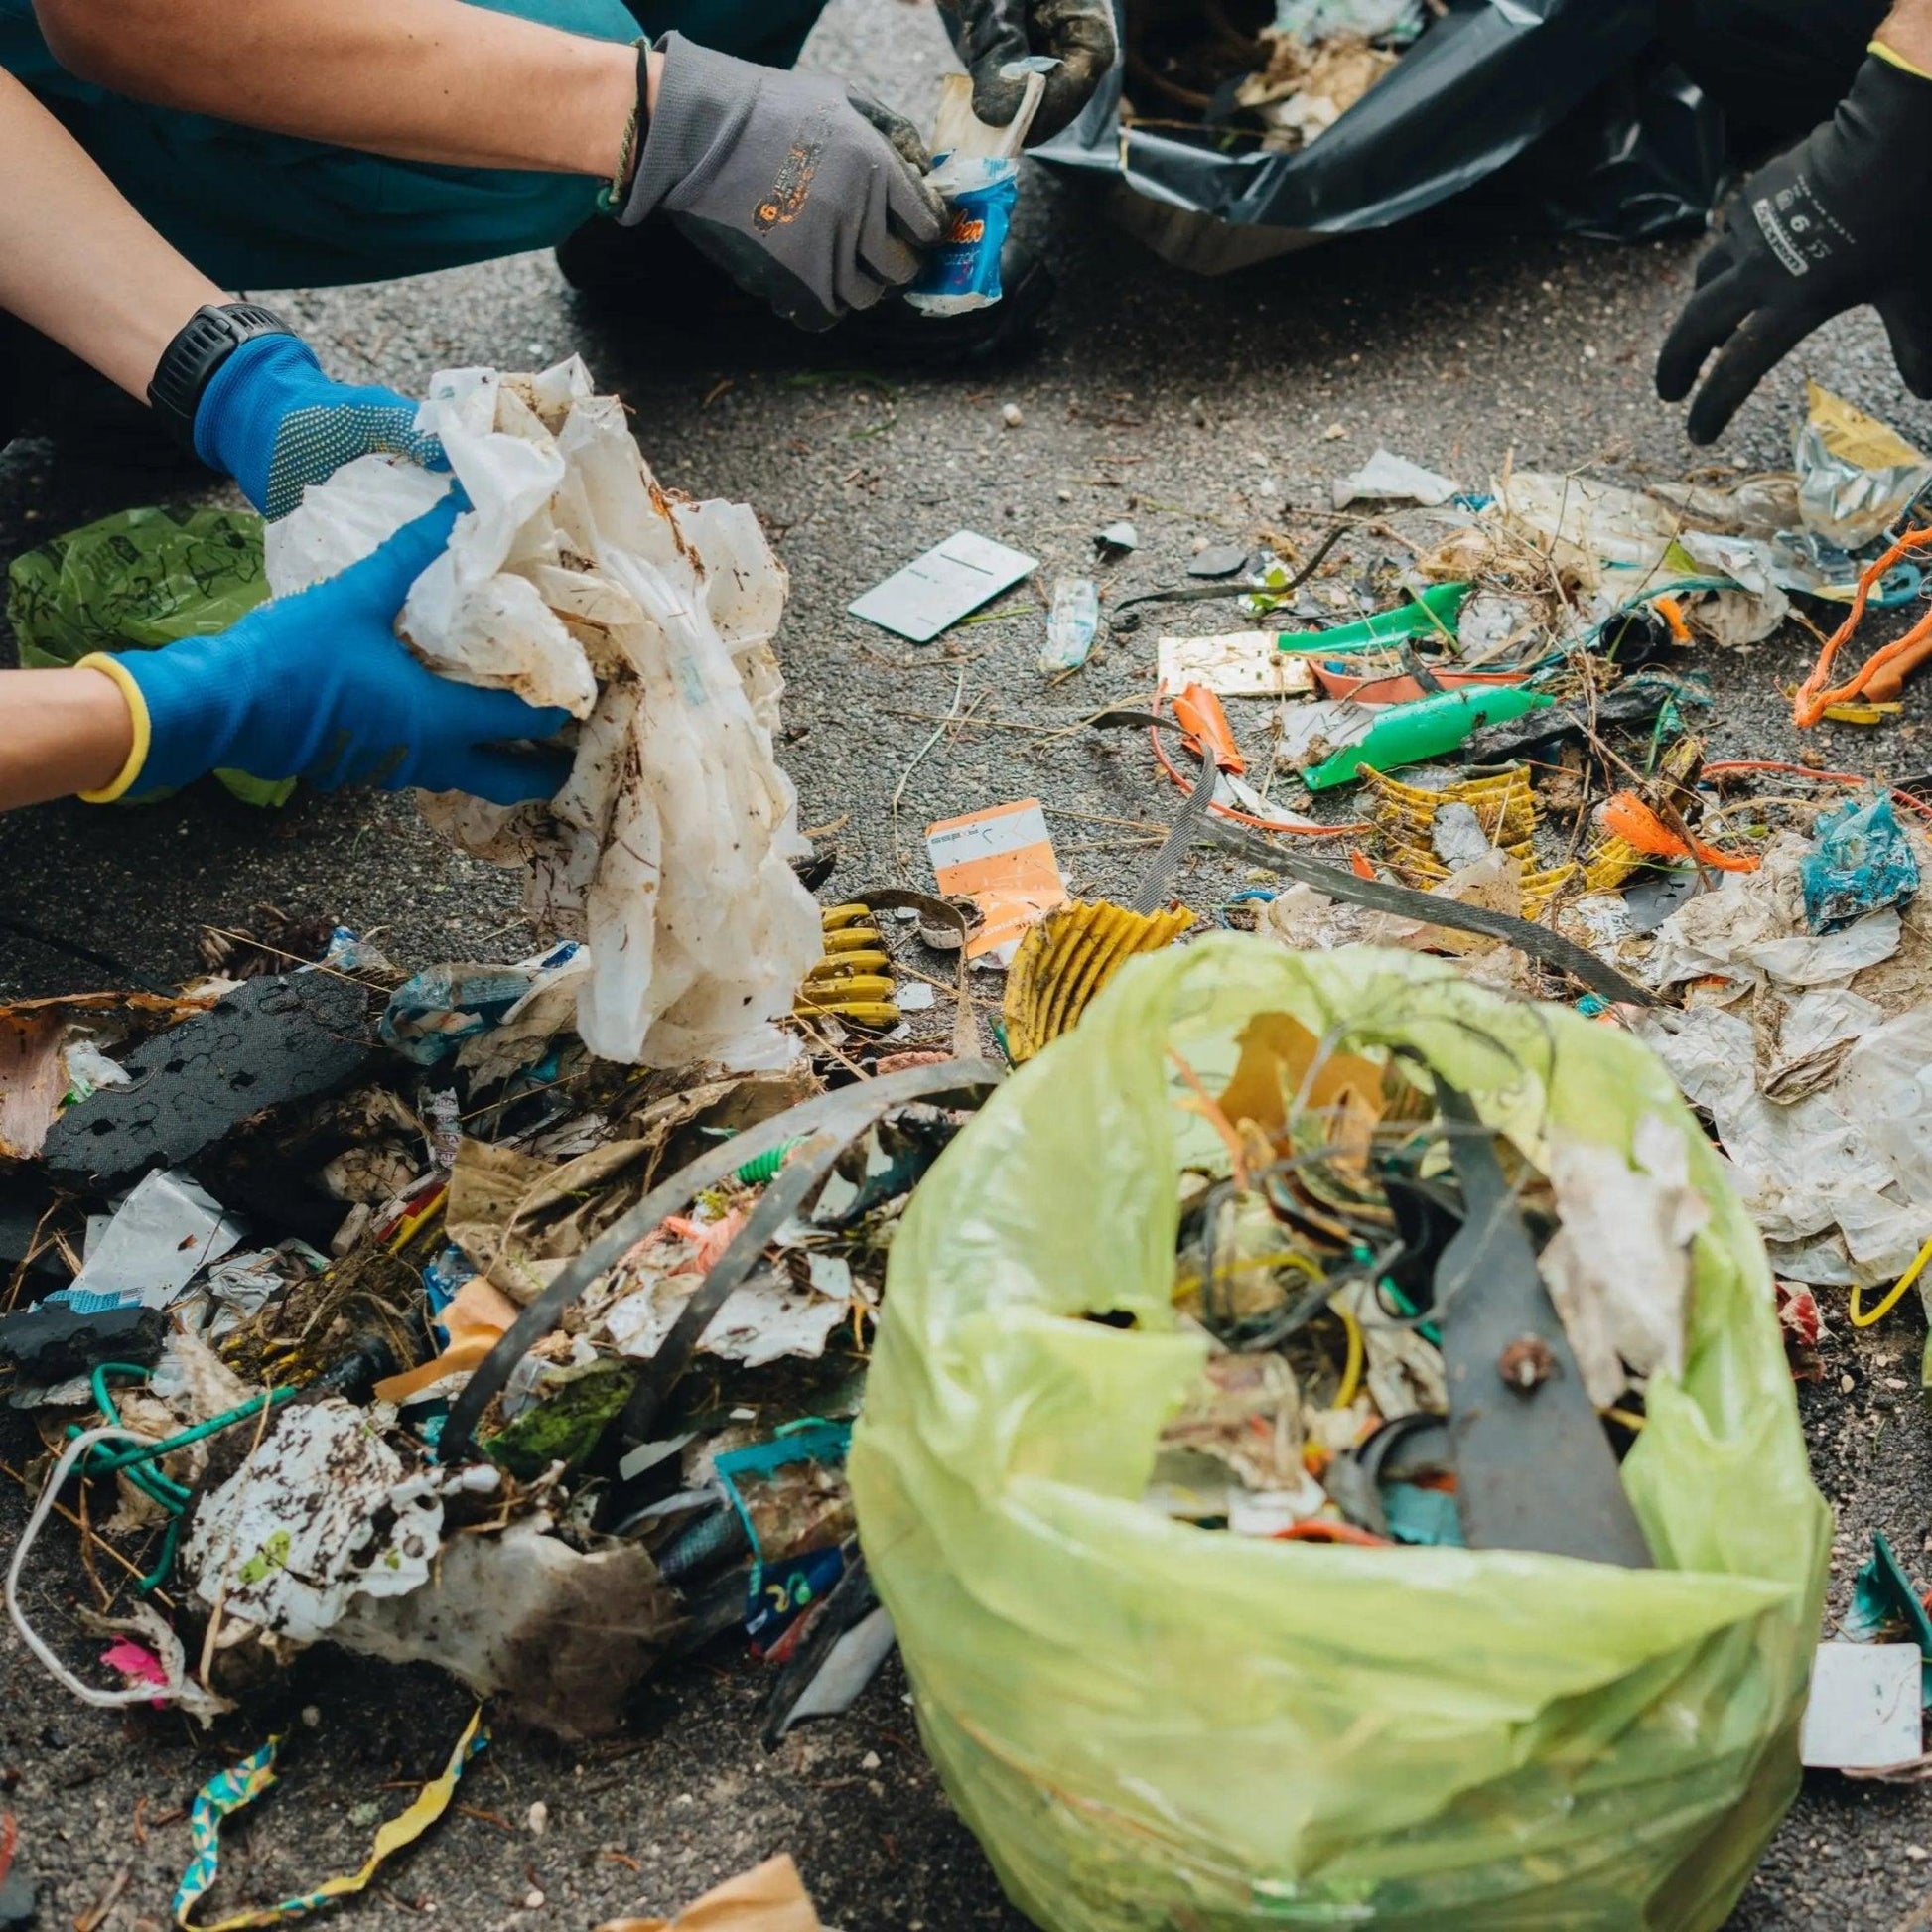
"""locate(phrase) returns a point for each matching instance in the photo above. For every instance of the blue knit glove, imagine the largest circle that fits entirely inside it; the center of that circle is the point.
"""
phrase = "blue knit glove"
(317, 686)
(276, 424)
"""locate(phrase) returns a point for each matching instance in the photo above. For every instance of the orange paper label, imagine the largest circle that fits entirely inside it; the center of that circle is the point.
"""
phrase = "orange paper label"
(1003, 861)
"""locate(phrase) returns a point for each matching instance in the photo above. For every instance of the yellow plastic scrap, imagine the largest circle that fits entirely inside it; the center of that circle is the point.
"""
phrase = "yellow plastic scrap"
(241, 1784)
(1539, 888)
(1504, 805)
(1609, 862)
(1067, 957)
(854, 980)
(771, 1898)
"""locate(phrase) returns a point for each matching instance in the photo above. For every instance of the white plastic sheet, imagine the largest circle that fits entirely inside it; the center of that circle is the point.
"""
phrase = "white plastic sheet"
(1840, 1182)
(575, 580)
(323, 1511)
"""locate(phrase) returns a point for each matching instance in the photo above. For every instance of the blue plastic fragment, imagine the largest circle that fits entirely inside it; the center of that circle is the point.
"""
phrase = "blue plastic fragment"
(1860, 863)
(1419, 1515)
(962, 272)
(431, 1014)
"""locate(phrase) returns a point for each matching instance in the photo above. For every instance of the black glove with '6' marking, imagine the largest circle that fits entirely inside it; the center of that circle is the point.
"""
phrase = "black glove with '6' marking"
(1839, 220)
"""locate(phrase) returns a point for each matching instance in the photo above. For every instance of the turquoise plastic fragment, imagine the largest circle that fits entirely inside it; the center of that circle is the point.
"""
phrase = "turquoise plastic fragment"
(1860, 862)
(1886, 1608)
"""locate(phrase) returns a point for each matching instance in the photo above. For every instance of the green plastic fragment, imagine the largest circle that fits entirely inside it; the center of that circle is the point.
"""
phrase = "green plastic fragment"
(1410, 734)
(754, 1174)
(567, 1422)
(136, 581)
(1431, 615)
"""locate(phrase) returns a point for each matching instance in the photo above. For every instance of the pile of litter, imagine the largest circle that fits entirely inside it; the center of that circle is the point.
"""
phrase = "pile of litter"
(516, 1317)
(1279, 84)
(267, 1240)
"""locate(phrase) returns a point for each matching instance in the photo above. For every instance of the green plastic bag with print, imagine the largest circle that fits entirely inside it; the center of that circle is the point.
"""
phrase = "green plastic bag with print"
(1153, 1727)
(136, 581)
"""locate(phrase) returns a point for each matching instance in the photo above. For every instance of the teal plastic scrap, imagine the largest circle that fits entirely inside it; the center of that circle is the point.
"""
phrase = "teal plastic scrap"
(1860, 862)
(810, 1440)
(1886, 1608)
(1410, 734)
(1423, 1516)
(1431, 615)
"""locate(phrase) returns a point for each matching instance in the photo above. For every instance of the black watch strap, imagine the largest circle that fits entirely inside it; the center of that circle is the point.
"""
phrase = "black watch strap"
(200, 345)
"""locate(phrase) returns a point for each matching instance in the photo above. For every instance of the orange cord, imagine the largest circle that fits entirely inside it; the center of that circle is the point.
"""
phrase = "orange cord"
(1722, 766)
(1315, 1530)
(1813, 698)
(1300, 828)
(1631, 820)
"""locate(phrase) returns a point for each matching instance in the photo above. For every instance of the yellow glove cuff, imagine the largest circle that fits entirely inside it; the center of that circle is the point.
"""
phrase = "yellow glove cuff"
(137, 710)
(1896, 60)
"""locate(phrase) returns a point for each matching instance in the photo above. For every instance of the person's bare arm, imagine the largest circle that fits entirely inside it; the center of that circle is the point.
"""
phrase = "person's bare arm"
(76, 261)
(1908, 31)
(419, 79)
(60, 733)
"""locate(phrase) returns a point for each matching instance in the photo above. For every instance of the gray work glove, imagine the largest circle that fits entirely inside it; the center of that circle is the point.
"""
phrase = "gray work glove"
(989, 35)
(809, 196)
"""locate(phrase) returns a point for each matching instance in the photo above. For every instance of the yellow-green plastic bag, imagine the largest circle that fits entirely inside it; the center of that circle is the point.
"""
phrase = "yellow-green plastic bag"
(135, 581)
(1153, 1726)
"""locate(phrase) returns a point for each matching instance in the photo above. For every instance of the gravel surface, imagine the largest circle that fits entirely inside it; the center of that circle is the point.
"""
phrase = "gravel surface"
(1202, 411)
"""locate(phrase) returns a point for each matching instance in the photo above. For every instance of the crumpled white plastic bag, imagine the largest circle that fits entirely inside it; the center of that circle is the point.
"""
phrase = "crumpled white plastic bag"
(1752, 926)
(575, 580)
(1840, 1182)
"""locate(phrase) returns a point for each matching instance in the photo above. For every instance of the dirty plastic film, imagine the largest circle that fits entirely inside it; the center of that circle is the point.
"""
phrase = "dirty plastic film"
(1152, 1726)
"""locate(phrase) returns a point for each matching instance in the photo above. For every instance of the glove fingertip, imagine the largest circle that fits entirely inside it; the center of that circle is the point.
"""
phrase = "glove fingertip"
(996, 100)
(507, 780)
(1675, 375)
(491, 715)
(1704, 426)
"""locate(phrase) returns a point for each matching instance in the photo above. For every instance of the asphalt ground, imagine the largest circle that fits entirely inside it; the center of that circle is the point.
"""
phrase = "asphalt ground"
(1203, 411)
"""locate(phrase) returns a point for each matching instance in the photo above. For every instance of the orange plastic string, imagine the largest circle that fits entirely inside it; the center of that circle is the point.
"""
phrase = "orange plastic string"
(1631, 820)
(1814, 698)
(1317, 1530)
(1723, 767)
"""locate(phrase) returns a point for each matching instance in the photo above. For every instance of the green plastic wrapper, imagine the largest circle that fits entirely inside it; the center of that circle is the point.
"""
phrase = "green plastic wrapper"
(136, 581)
(1154, 1726)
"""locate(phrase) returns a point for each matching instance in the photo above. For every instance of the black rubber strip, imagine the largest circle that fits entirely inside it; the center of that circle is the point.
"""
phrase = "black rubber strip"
(1381, 896)
(805, 1166)
(269, 1042)
(847, 1110)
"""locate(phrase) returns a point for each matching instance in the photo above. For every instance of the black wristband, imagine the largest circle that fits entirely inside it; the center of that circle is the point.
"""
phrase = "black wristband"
(644, 48)
(200, 345)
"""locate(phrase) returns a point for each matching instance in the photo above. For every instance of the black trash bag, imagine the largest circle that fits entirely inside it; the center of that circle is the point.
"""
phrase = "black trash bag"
(1645, 156)
(1482, 84)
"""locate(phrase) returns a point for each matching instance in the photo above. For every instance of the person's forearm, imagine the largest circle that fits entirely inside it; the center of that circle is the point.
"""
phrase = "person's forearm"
(419, 79)
(1908, 31)
(60, 731)
(76, 261)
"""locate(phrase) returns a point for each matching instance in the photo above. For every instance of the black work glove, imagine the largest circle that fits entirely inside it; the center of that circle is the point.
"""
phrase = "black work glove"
(989, 34)
(807, 194)
(1839, 220)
